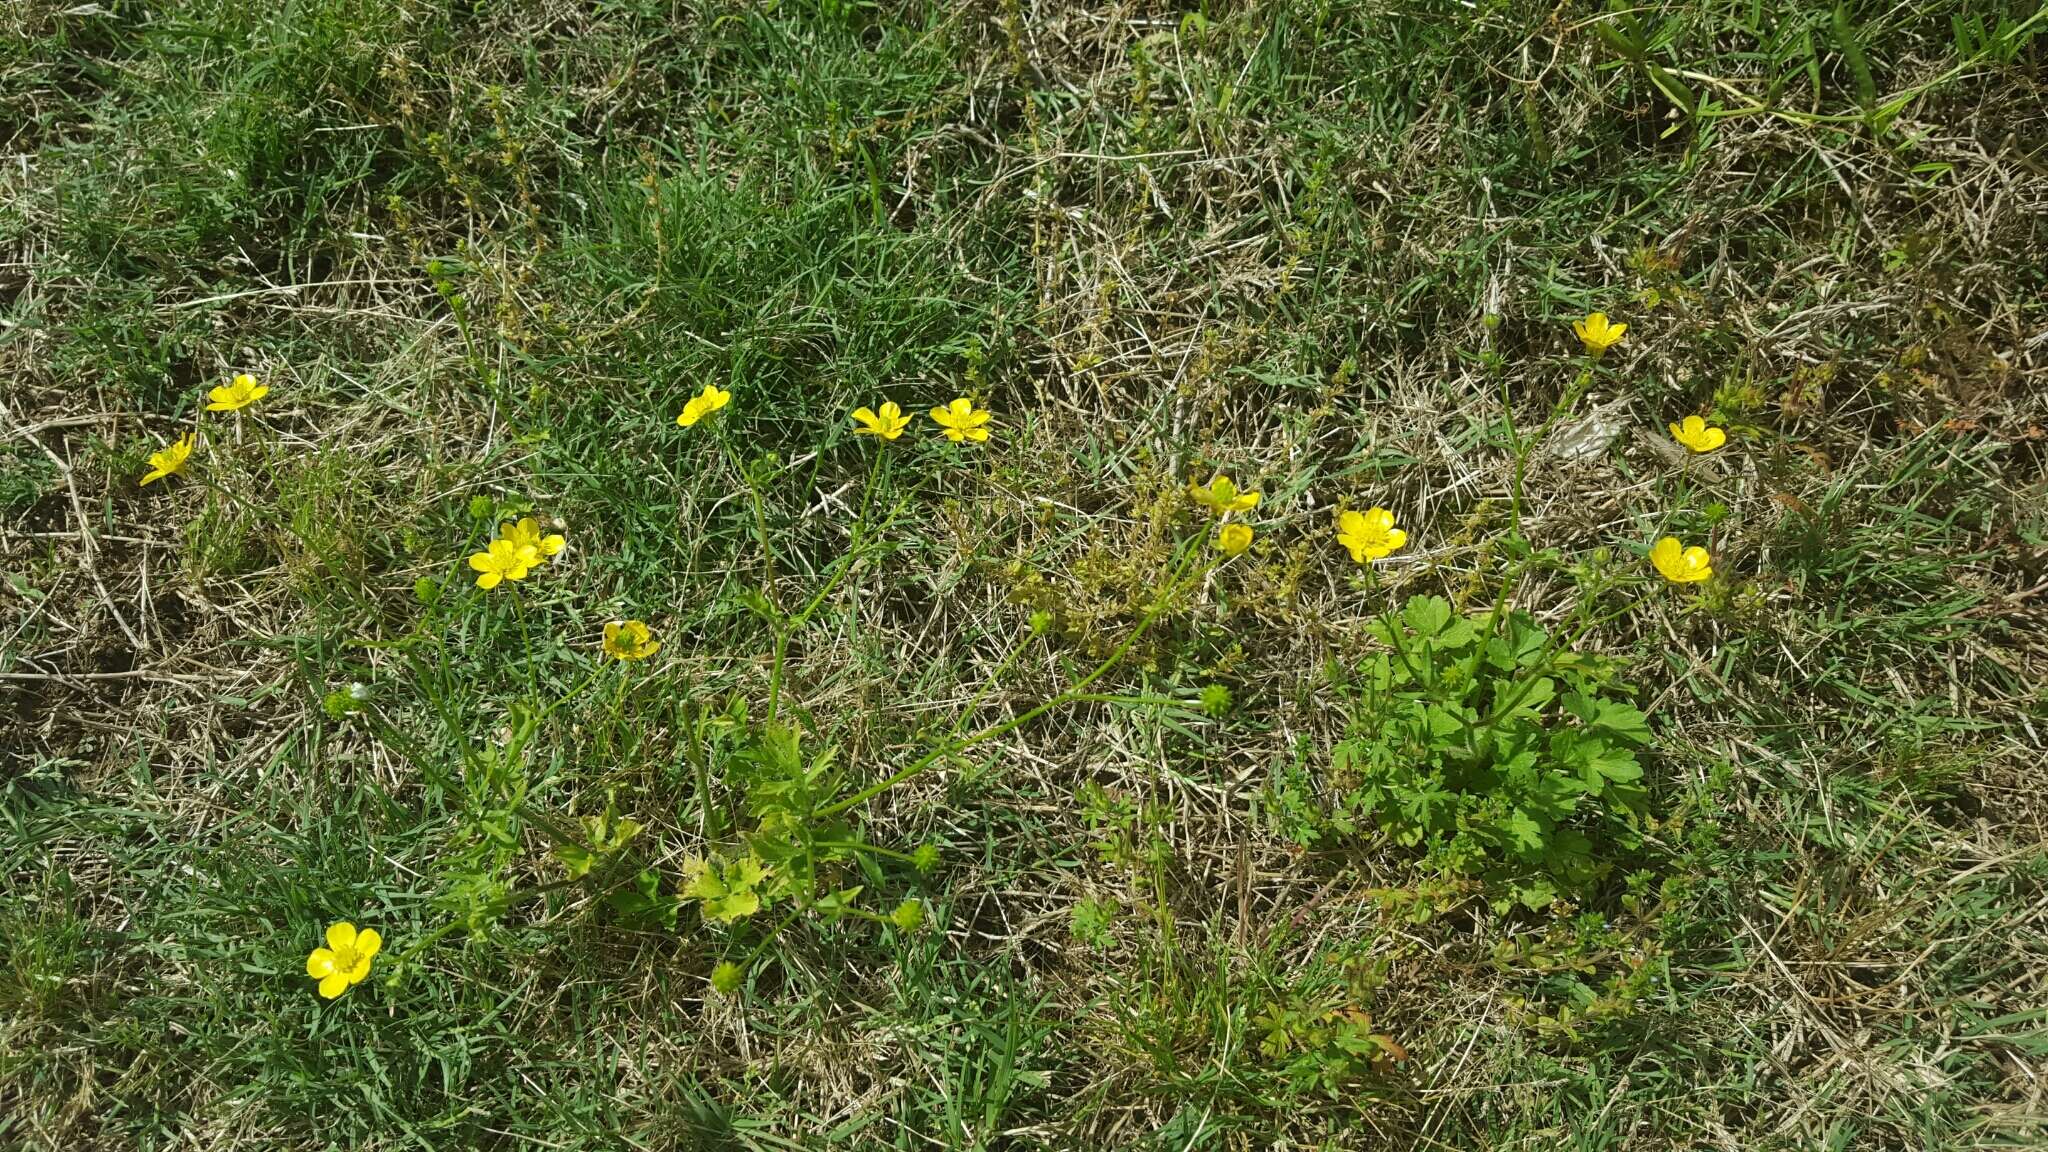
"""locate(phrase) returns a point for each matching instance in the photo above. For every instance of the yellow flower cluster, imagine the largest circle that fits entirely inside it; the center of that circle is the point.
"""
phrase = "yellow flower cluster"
(519, 548)
(959, 421)
(1373, 535)
(1222, 497)
(1669, 556)
(237, 394)
(1369, 535)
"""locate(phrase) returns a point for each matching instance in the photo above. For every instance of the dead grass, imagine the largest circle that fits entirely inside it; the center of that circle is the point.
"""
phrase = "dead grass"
(1330, 249)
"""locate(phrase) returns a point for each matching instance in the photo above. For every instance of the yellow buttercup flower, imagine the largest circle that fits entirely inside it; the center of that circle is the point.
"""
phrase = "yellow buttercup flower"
(171, 460)
(703, 404)
(629, 640)
(346, 959)
(1222, 497)
(1597, 334)
(1698, 435)
(1369, 535)
(961, 420)
(502, 560)
(1233, 538)
(238, 393)
(889, 423)
(526, 534)
(1679, 564)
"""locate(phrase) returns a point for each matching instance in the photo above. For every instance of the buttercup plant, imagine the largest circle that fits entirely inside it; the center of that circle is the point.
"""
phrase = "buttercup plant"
(502, 560)
(1370, 535)
(778, 812)
(1489, 741)
(525, 534)
(629, 640)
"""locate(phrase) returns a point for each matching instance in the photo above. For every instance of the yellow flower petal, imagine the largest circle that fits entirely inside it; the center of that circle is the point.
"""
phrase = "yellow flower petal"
(333, 986)
(171, 460)
(368, 943)
(1679, 564)
(239, 393)
(1370, 535)
(1597, 334)
(887, 424)
(1222, 496)
(703, 404)
(526, 536)
(341, 936)
(320, 964)
(1695, 433)
(960, 420)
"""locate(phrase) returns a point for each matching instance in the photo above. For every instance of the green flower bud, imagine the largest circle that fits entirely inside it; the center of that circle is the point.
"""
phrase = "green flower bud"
(908, 915)
(1215, 699)
(727, 978)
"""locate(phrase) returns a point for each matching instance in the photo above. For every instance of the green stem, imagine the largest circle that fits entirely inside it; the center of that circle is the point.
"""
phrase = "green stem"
(778, 625)
(526, 645)
(512, 900)
(588, 679)
(989, 685)
(693, 751)
(1551, 651)
(769, 938)
(877, 849)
